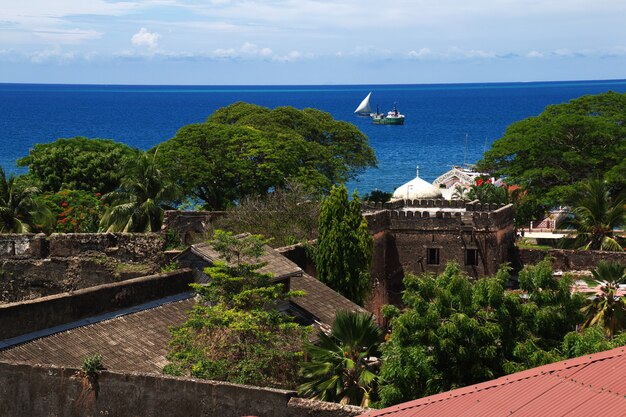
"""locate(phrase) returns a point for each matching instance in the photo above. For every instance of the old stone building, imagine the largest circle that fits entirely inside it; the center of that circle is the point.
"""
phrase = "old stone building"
(423, 235)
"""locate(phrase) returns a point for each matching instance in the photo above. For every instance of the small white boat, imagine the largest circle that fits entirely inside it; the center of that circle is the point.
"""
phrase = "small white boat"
(364, 108)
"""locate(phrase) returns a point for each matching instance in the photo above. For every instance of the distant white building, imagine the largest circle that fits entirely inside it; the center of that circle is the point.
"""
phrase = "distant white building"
(463, 177)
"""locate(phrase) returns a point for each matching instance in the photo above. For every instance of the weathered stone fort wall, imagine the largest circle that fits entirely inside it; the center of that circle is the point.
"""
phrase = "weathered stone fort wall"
(33, 266)
(404, 231)
(41, 391)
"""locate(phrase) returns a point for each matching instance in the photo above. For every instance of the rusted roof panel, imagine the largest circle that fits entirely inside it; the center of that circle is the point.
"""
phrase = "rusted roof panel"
(591, 385)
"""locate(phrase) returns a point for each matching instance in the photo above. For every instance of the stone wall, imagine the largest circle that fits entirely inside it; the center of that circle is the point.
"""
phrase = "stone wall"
(33, 266)
(570, 260)
(29, 316)
(41, 391)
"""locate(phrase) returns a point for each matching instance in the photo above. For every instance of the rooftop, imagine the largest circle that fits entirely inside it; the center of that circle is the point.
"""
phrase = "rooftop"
(590, 385)
(132, 342)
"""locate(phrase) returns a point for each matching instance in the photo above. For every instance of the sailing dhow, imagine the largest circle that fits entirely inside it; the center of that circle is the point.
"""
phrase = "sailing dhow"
(364, 108)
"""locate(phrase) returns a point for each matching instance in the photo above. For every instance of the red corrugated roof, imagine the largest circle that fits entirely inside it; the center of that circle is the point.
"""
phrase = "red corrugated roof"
(592, 385)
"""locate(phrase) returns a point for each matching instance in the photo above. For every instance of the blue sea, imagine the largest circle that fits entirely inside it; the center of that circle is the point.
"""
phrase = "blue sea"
(446, 124)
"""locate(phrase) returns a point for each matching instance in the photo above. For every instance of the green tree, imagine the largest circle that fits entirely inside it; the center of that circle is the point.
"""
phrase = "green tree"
(549, 154)
(20, 210)
(590, 340)
(607, 309)
(487, 192)
(452, 333)
(74, 211)
(378, 196)
(596, 216)
(341, 365)
(344, 247)
(235, 333)
(549, 310)
(139, 203)
(246, 150)
(78, 163)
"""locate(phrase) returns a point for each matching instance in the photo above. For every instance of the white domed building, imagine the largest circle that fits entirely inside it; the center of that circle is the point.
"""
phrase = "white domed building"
(416, 189)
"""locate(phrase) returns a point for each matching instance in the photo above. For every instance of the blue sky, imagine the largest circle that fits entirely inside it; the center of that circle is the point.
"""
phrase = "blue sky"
(310, 41)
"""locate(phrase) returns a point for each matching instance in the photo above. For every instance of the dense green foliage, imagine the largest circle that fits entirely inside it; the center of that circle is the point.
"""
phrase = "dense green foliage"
(455, 332)
(378, 196)
(486, 192)
(344, 247)
(139, 203)
(74, 211)
(20, 210)
(246, 150)
(235, 333)
(596, 216)
(607, 309)
(340, 366)
(548, 155)
(93, 165)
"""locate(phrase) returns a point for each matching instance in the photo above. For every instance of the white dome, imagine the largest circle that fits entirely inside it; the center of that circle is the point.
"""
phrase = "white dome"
(417, 188)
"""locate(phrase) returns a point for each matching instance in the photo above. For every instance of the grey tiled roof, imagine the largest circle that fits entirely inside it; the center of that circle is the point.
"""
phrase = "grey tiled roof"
(134, 342)
(275, 264)
(320, 301)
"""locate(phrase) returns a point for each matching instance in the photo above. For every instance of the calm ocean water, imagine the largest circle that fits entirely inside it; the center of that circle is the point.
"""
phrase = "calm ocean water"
(446, 124)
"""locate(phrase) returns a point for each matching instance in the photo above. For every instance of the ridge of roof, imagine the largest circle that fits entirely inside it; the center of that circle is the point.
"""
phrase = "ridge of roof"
(503, 380)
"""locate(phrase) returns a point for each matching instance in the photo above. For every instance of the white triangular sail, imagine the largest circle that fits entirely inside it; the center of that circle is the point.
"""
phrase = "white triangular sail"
(364, 107)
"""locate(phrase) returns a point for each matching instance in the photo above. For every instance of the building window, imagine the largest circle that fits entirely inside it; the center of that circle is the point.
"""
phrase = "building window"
(432, 256)
(471, 257)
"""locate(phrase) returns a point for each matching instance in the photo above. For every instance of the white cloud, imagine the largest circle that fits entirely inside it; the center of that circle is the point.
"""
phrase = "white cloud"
(534, 54)
(421, 54)
(51, 56)
(145, 38)
(247, 50)
(290, 57)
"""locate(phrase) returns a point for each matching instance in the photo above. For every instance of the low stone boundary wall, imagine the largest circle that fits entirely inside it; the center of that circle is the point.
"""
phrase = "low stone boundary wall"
(29, 316)
(41, 391)
(570, 260)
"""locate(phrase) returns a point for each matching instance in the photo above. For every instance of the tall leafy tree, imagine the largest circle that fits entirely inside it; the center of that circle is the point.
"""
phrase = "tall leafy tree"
(20, 211)
(341, 366)
(567, 143)
(93, 165)
(597, 215)
(139, 203)
(344, 247)
(455, 332)
(607, 309)
(235, 333)
(451, 334)
(246, 150)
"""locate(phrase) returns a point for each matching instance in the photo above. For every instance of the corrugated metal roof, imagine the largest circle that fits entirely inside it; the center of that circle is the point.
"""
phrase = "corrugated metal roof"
(592, 385)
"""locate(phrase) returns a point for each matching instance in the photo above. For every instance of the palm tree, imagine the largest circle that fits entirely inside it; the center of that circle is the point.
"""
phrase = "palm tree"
(20, 212)
(608, 308)
(138, 205)
(342, 365)
(597, 216)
